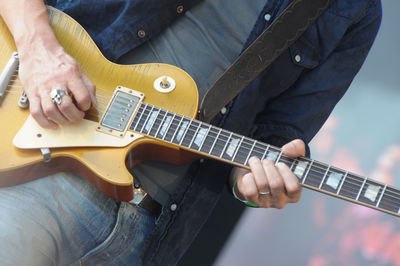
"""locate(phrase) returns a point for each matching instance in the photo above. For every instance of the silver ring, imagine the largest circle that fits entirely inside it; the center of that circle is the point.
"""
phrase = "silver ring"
(56, 95)
(264, 193)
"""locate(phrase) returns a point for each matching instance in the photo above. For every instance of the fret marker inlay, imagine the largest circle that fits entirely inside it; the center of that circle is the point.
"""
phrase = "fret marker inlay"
(300, 168)
(182, 130)
(371, 192)
(334, 180)
(232, 147)
(151, 120)
(200, 137)
(165, 125)
(272, 155)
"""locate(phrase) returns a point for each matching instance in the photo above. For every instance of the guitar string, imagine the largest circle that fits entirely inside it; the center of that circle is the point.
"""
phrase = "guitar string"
(347, 180)
(161, 120)
(103, 98)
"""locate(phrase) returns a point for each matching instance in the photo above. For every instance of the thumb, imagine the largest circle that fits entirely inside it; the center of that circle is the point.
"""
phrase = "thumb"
(295, 148)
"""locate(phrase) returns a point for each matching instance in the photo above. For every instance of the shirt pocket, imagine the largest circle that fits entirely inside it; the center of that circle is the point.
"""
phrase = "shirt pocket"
(303, 55)
(305, 52)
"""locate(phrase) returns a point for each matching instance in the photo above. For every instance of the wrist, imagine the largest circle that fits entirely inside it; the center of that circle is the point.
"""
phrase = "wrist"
(44, 44)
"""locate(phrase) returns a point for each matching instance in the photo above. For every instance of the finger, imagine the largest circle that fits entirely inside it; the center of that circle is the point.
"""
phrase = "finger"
(35, 108)
(81, 93)
(294, 148)
(248, 188)
(91, 88)
(69, 110)
(259, 174)
(50, 109)
(291, 182)
(276, 185)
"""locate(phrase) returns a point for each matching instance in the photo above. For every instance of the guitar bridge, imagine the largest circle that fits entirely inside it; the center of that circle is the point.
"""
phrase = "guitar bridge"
(120, 111)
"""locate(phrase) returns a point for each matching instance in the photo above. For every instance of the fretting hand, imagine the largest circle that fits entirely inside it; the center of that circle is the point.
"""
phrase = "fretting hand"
(268, 185)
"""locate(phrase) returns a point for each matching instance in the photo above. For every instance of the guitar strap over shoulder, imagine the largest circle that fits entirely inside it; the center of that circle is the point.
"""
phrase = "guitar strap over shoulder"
(282, 33)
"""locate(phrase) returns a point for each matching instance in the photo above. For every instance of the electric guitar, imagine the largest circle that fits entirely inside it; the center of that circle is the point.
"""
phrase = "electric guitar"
(144, 111)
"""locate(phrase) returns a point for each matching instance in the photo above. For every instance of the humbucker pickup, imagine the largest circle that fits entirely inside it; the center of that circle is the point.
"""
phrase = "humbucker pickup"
(120, 111)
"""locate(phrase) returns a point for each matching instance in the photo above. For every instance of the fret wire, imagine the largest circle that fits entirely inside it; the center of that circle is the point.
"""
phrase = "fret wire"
(291, 166)
(161, 124)
(144, 116)
(398, 212)
(184, 133)
(248, 156)
(260, 147)
(237, 148)
(265, 152)
(380, 197)
(210, 139)
(152, 124)
(176, 130)
(323, 178)
(226, 144)
(194, 136)
(205, 136)
(341, 183)
(215, 141)
(141, 130)
(362, 186)
(144, 108)
(308, 170)
(343, 179)
(279, 157)
(137, 119)
(169, 126)
(140, 117)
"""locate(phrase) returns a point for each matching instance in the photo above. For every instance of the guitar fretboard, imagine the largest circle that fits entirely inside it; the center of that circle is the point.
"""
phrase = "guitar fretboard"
(236, 149)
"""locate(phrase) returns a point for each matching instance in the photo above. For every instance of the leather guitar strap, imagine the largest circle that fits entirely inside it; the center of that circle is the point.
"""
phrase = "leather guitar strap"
(282, 33)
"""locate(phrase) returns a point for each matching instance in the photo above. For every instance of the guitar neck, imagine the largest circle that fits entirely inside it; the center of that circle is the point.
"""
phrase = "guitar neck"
(223, 145)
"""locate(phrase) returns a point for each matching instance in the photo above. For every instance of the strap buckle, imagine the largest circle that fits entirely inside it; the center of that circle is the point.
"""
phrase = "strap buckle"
(139, 195)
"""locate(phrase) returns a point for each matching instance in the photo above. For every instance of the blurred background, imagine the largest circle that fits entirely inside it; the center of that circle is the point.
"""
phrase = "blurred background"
(363, 136)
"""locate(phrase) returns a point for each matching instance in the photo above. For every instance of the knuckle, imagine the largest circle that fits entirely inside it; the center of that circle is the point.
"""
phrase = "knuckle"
(263, 184)
(49, 110)
(65, 107)
(276, 183)
(293, 189)
(83, 99)
(35, 111)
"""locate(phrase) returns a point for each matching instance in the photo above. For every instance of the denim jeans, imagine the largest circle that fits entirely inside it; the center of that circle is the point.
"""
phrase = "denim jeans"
(63, 219)
(39, 225)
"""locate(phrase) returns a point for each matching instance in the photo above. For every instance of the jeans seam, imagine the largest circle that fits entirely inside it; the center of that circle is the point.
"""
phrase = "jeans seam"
(104, 244)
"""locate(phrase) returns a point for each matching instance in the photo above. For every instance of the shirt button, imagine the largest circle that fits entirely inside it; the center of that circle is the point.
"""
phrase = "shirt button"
(141, 33)
(179, 9)
(267, 17)
(223, 110)
(297, 58)
(173, 207)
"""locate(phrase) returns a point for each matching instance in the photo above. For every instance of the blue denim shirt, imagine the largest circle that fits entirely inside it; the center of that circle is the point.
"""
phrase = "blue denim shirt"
(291, 99)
